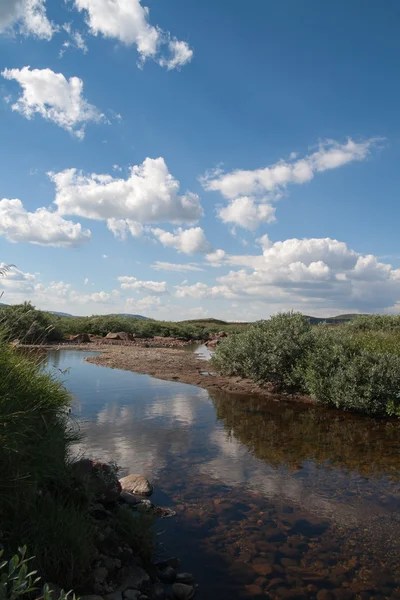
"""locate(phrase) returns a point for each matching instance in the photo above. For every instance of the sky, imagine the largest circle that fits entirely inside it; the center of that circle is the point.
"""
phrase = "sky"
(182, 159)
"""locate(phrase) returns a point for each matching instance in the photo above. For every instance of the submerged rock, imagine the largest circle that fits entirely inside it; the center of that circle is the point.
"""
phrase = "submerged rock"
(182, 591)
(168, 575)
(136, 484)
(129, 498)
(158, 592)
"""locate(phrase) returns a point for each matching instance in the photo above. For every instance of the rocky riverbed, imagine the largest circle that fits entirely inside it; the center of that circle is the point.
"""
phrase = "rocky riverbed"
(124, 517)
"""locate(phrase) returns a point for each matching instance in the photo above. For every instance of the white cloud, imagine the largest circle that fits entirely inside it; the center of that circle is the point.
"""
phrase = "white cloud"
(95, 298)
(128, 22)
(86, 281)
(202, 290)
(131, 283)
(28, 15)
(178, 268)
(251, 192)
(121, 227)
(304, 274)
(104, 255)
(40, 227)
(149, 195)
(53, 97)
(247, 213)
(274, 179)
(180, 55)
(148, 302)
(75, 40)
(188, 241)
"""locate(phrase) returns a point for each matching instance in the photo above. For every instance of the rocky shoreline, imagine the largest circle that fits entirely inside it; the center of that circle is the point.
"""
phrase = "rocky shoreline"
(118, 571)
(172, 364)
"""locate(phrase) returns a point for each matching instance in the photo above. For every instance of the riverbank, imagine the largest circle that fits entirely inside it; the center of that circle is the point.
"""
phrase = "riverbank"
(172, 364)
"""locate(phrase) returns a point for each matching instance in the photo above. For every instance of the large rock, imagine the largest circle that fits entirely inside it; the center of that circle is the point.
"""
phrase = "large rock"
(135, 580)
(81, 338)
(182, 591)
(136, 484)
(100, 479)
(120, 335)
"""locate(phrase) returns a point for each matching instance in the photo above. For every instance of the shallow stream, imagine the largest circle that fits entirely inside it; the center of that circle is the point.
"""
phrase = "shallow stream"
(272, 499)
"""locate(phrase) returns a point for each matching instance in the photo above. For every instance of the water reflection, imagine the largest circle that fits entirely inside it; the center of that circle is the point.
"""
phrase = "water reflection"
(272, 499)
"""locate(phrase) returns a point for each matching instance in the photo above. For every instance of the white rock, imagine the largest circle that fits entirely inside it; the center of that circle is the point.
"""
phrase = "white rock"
(136, 484)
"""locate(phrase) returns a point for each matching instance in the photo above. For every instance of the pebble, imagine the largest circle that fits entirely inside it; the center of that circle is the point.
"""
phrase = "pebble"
(325, 595)
(158, 592)
(253, 590)
(168, 575)
(100, 574)
(182, 591)
(262, 569)
(131, 594)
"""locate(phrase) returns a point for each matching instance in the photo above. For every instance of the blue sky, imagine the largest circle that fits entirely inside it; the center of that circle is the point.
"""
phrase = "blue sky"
(181, 159)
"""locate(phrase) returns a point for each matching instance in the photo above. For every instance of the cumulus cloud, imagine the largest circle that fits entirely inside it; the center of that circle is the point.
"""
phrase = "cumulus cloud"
(178, 268)
(149, 195)
(75, 40)
(188, 241)
(40, 227)
(27, 17)
(251, 192)
(128, 22)
(121, 227)
(202, 290)
(54, 98)
(131, 283)
(247, 213)
(180, 55)
(304, 274)
(275, 178)
(148, 302)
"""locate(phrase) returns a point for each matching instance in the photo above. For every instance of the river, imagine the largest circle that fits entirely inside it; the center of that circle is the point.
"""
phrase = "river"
(272, 499)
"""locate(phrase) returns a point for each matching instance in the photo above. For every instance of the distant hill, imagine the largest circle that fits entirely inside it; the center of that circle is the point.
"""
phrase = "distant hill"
(59, 314)
(334, 320)
(127, 316)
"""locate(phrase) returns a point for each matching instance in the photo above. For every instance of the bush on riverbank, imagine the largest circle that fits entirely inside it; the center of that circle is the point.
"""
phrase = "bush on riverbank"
(41, 505)
(347, 366)
(24, 323)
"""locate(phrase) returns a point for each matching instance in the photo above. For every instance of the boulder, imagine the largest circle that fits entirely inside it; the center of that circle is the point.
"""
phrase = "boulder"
(136, 484)
(81, 338)
(182, 591)
(99, 478)
(120, 335)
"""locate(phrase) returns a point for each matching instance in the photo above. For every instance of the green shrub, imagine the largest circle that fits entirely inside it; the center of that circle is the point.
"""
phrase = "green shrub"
(267, 351)
(24, 323)
(40, 504)
(340, 371)
(16, 580)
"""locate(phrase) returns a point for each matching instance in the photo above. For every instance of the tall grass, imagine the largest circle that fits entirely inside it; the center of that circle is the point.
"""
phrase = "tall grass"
(354, 366)
(41, 506)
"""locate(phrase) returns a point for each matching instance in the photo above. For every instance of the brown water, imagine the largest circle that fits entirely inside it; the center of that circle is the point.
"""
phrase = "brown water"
(271, 499)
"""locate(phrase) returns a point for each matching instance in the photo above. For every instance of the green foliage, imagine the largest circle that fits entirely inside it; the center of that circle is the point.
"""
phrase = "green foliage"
(24, 323)
(40, 504)
(267, 351)
(350, 366)
(16, 580)
(388, 323)
(343, 371)
(146, 328)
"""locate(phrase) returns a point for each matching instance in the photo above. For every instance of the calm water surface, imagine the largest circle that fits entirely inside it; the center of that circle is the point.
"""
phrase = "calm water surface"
(272, 500)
